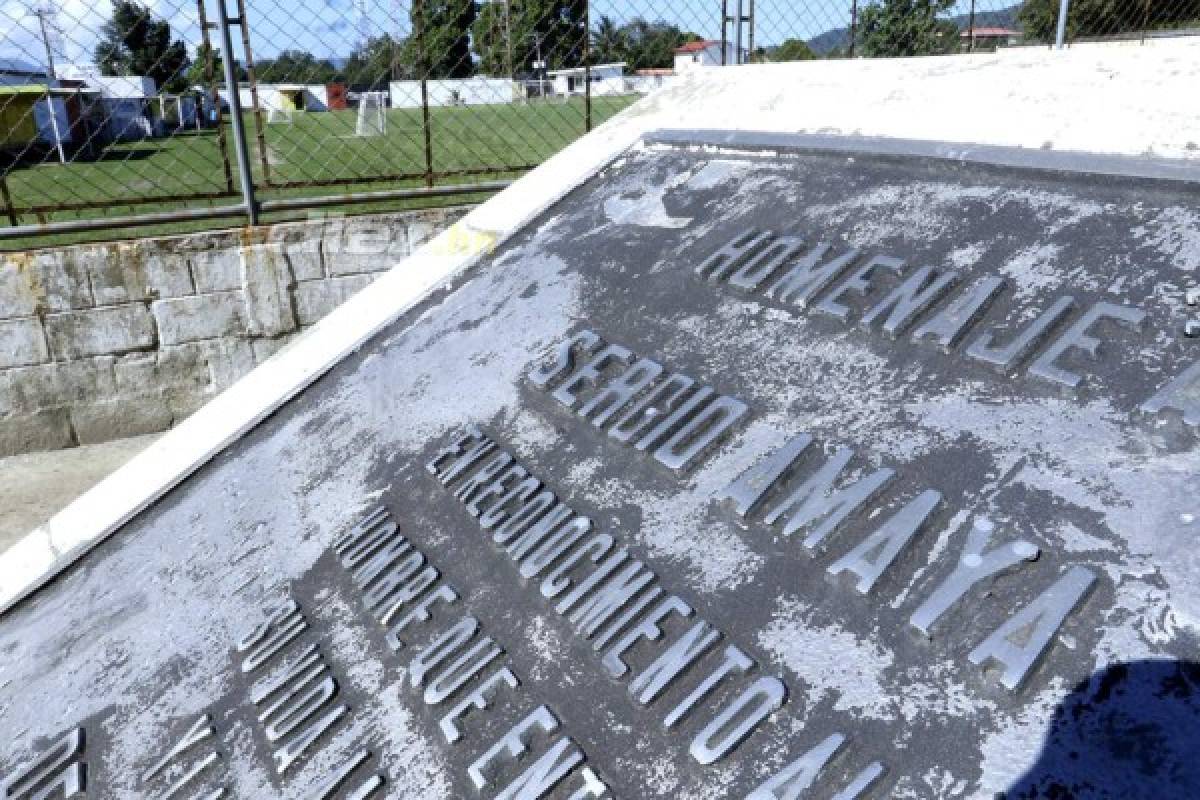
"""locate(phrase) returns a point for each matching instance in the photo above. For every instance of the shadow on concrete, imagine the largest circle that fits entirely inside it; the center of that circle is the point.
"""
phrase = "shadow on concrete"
(1130, 731)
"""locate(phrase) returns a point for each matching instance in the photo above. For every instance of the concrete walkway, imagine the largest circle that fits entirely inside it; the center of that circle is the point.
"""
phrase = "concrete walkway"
(34, 486)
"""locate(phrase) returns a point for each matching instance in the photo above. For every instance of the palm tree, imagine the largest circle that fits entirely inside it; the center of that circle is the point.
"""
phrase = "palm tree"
(608, 42)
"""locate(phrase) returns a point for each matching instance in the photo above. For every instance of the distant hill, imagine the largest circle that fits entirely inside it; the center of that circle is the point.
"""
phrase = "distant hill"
(839, 38)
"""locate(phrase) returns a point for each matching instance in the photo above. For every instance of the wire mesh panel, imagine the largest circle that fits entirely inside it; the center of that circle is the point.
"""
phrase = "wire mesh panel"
(106, 108)
(118, 107)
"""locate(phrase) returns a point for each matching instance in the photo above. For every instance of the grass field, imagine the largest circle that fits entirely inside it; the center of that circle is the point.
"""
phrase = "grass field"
(312, 147)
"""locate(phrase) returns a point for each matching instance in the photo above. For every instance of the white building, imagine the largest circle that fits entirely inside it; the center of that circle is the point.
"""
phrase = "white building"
(116, 87)
(126, 99)
(282, 96)
(479, 91)
(605, 78)
(645, 81)
(18, 72)
(697, 55)
(34, 113)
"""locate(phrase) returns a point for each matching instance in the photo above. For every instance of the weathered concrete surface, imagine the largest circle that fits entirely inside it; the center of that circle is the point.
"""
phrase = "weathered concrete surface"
(34, 486)
(1091, 485)
(176, 319)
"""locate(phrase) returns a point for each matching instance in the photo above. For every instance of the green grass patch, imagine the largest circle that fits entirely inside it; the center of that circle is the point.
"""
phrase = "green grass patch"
(291, 158)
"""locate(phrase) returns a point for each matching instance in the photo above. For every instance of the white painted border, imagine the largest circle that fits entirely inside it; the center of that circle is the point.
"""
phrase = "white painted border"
(1127, 101)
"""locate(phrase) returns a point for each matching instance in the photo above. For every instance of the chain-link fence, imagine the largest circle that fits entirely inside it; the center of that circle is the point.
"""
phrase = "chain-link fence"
(115, 115)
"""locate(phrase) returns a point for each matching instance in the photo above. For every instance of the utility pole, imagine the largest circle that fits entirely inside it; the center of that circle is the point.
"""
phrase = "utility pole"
(53, 78)
(539, 66)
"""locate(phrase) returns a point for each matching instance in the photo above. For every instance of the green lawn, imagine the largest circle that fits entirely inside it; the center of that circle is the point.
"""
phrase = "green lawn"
(312, 147)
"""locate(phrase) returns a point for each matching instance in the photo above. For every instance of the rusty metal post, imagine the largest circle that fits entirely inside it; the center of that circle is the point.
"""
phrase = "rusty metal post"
(214, 96)
(259, 127)
(853, 27)
(724, 30)
(423, 66)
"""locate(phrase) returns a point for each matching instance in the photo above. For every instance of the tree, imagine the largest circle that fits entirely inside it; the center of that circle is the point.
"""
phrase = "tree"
(547, 30)
(488, 35)
(442, 34)
(380, 60)
(651, 45)
(196, 73)
(905, 28)
(609, 44)
(638, 43)
(134, 43)
(792, 50)
(1039, 18)
(294, 66)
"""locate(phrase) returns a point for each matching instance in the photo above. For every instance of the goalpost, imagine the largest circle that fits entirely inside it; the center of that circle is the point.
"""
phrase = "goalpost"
(372, 114)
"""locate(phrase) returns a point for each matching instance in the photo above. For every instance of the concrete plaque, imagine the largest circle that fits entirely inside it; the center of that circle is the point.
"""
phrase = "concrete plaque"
(763, 472)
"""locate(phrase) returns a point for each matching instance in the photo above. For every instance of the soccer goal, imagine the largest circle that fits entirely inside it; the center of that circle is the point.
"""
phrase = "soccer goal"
(372, 114)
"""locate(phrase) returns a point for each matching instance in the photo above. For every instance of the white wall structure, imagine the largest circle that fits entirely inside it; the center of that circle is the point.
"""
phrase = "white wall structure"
(49, 128)
(123, 87)
(605, 79)
(698, 55)
(49, 114)
(125, 99)
(479, 91)
(645, 84)
(188, 314)
(282, 97)
(18, 72)
(181, 109)
(128, 118)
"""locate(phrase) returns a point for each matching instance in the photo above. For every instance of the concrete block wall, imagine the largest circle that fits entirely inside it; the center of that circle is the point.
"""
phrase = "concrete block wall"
(103, 341)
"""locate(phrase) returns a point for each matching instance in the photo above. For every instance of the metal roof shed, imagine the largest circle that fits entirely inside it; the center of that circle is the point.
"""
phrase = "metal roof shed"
(17, 124)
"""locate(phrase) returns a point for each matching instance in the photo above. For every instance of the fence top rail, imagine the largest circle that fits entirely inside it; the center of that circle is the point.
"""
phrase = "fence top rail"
(491, 88)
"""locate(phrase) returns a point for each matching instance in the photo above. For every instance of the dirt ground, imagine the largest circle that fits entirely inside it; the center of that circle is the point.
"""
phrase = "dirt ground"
(34, 486)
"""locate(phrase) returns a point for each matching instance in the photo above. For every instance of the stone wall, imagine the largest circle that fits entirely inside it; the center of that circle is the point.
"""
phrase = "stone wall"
(103, 341)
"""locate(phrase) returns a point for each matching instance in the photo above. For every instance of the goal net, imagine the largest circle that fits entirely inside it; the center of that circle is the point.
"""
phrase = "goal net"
(372, 114)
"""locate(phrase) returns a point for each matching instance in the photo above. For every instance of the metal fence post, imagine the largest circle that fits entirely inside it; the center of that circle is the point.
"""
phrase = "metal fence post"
(259, 132)
(6, 198)
(737, 34)
(587, 66)
(235, 113)
(971, 30)
(1060, 38)
(724, 31)
(750, 33)
(423, 66)
(214, 97)
(853, 28)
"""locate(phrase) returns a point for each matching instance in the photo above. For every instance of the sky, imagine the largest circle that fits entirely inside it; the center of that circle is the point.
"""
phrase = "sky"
(333, 28)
